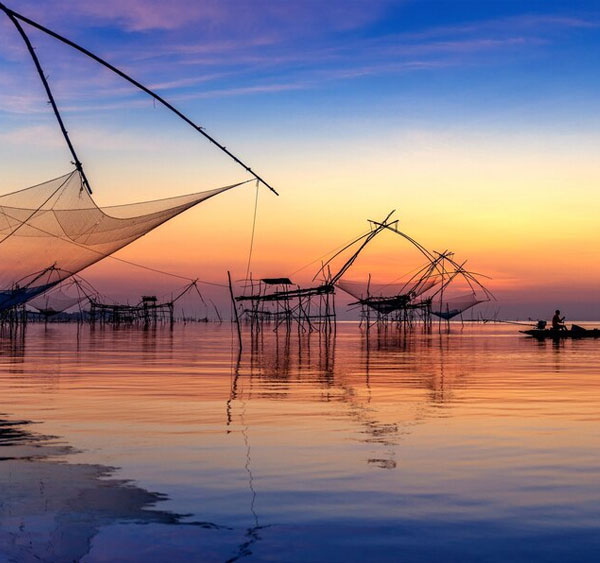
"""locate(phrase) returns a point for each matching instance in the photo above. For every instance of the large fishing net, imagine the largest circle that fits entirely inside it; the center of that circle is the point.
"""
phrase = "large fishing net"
(52, 230)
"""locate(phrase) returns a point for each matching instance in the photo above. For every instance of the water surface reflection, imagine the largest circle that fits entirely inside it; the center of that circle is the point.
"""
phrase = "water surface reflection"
(473, 445)
(51, 511)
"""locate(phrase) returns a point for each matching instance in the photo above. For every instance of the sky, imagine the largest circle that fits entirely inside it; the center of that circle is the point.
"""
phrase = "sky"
(478, 122)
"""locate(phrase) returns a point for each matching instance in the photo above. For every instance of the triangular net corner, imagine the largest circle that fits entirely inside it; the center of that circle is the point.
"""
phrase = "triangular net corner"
(53, 230)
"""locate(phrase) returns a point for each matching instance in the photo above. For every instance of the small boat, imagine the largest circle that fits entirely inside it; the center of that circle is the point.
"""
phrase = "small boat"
(575, 331)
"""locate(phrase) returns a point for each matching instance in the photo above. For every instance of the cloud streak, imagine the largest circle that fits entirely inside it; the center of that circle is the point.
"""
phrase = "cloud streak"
(210, 49)
(212, 16)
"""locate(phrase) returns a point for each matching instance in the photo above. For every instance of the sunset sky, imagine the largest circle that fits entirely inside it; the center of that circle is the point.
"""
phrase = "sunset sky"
(479, 122)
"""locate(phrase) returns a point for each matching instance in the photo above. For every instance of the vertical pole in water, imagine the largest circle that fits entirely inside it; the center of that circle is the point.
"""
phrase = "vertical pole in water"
(365, 312)
(441, 297)
(237, 319)
(333, 312)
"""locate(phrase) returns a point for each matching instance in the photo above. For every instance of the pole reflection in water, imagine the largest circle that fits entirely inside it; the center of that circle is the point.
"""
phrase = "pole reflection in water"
(252, 533)
(477, 444)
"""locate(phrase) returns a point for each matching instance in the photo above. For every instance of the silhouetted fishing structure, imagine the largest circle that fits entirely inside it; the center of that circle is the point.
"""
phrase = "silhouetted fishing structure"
(149, 311)
(88, 305)
(282, 304)
(278, 301)
(51, 231)
(422, 296)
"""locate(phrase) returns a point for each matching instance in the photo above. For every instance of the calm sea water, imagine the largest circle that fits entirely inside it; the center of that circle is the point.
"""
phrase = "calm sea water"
(131, 445)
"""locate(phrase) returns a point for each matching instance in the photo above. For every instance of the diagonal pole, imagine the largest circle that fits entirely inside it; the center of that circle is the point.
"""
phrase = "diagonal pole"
(40, 71)
(14, 16)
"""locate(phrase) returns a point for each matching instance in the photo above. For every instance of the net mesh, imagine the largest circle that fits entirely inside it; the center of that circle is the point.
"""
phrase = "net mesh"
(55, 229)
(365, 290)
(453, 306)
(56, 301)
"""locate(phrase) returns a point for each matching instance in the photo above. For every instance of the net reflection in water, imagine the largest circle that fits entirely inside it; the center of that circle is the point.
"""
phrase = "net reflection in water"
(478, 444)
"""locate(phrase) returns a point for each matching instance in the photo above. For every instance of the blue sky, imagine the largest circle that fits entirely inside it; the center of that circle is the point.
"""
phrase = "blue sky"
(336, 56)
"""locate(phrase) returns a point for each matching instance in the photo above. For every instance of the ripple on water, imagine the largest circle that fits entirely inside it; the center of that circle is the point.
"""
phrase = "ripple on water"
(475, 445)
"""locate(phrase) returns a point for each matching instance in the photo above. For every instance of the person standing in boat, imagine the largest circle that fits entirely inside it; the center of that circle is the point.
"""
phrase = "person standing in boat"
(558, 322)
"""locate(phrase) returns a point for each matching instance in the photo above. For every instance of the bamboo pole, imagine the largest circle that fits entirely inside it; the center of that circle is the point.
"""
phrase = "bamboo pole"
(14, 16)
(237, 319)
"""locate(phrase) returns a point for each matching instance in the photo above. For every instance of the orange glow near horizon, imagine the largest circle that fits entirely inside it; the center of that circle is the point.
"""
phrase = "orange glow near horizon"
(526, 222)
(475, 140)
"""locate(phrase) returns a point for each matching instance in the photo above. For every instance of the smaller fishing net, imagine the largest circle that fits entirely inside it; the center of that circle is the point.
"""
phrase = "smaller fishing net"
(63, 297)
(366, 290)
(387, 298)
(454, 306)
(55, 301)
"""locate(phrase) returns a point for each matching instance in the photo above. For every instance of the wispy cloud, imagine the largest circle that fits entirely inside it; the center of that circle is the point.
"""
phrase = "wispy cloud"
(188, 81)
(537, 24)
(246, 90)
(92, 139)
(26, 104)
(33, 136)
(212, 15)
(211, 48)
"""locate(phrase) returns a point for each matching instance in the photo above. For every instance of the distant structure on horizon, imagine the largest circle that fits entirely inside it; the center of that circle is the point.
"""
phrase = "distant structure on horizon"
(430, 291)
(51, 231)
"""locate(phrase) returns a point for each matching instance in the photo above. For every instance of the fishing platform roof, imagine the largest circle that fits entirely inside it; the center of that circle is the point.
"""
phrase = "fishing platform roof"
(277, 281)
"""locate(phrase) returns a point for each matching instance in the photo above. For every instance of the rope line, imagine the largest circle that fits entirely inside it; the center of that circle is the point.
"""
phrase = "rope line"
(156, 270)
(330, 252)
(253, 231)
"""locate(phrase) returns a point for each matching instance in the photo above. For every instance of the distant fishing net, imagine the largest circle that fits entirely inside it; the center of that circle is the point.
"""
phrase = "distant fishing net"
(454, 306)
(55, 302)
(426, 290)
(64, 296)
(386, 298)
(364, 290)
(52, 230)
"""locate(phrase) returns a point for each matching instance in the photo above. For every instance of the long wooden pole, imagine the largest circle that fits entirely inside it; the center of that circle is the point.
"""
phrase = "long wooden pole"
(332, 280)
(237, 319)
(13, 18)
(16, 16)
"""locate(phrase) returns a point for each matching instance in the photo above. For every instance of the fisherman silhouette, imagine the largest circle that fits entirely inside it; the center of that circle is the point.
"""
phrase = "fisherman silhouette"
(558, 322)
